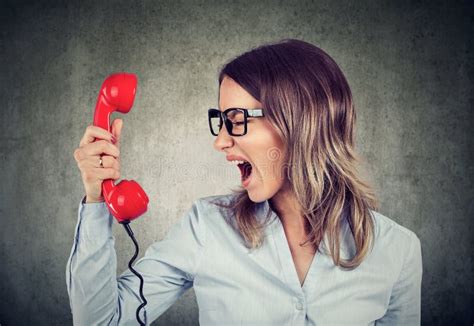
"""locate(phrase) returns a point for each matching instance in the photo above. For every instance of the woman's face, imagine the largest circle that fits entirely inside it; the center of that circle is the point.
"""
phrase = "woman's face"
(261, 146)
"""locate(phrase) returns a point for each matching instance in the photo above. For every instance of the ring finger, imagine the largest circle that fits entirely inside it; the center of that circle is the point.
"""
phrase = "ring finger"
(107, 161)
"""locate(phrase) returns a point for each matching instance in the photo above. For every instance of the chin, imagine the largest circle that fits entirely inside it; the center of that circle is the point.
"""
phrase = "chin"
(259, 195)
(256, 197)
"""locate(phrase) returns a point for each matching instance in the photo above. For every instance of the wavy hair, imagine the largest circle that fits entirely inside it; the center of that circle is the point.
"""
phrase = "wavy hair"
(307, 99)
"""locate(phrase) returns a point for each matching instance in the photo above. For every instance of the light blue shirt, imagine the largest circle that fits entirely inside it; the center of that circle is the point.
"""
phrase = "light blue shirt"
(238, 286)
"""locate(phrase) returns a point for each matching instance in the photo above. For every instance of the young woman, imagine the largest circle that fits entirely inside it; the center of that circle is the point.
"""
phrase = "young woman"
(299, 243)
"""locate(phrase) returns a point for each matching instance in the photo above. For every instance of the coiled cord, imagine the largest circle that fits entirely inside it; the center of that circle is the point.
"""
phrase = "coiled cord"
(130, 233)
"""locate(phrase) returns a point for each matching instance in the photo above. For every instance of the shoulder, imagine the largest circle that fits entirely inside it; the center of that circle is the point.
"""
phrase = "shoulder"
(218, 218)
(212, 200)
(196, 222)
(400, 255)
(400, 245)
(211, 209)
(388, 230)
(212, 204)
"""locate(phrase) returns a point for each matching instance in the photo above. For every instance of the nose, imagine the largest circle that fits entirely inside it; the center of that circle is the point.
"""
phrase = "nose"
(223, 140)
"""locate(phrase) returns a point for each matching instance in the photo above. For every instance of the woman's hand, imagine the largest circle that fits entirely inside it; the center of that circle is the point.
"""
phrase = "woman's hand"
(88, 157)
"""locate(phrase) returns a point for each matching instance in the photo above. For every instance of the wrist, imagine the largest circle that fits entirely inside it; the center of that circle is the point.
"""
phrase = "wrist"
(89, 200)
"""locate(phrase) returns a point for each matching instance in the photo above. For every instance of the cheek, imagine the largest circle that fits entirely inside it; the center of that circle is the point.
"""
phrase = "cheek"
(274, 159)
(266, 150)
(277, 171)
(270, 166)
(273, 164)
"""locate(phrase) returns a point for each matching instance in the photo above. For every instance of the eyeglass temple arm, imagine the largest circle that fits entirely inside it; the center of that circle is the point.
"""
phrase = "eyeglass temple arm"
(255, 113)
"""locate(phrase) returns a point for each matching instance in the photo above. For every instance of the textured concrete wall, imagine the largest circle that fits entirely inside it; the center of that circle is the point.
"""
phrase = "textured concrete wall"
(409, 65)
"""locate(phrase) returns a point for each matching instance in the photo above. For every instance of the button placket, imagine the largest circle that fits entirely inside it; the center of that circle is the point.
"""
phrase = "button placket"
(298, 303)
(299, 306)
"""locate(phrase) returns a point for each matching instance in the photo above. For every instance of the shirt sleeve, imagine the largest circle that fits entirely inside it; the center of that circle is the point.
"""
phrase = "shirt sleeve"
(168, 268)
(405, 301)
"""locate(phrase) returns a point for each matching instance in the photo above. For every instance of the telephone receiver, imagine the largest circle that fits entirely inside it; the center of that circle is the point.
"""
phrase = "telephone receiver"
(126, 200)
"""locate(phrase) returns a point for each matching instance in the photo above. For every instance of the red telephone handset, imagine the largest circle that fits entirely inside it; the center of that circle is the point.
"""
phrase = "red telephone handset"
(126, 200)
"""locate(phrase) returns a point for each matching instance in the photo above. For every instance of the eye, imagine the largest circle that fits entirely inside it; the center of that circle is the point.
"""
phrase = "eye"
(238, 123)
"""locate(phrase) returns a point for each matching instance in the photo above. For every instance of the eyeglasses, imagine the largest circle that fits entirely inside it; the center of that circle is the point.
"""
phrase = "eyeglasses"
(235, 120)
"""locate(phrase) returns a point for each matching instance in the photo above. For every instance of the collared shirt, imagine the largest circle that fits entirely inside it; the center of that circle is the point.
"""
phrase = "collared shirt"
(235, 285)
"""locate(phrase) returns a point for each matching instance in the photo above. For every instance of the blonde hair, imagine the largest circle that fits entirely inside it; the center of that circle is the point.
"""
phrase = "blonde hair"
(307, 99)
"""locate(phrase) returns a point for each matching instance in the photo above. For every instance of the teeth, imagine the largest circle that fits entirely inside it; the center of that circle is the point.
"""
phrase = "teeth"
(235, 162)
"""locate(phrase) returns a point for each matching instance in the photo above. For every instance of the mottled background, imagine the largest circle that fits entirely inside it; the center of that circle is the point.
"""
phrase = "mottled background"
(409, 64)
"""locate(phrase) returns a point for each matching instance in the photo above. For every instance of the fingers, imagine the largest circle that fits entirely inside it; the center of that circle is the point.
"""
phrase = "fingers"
(94, 174)
(104, 173)
(93, 132)
(98, 144)
(117, 125)
(109, 162)
(95, 149)
(94, 162)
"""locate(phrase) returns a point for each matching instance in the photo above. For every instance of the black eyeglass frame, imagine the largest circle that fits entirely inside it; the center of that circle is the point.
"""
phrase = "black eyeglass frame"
(212, 113)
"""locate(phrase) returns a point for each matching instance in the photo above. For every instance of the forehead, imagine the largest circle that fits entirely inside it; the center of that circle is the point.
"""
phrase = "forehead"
(232, 95)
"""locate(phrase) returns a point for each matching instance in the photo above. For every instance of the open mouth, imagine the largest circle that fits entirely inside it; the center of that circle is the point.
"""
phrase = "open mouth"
(245, 170)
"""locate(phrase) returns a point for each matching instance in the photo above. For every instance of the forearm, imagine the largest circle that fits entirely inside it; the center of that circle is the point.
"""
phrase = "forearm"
(91, 267)
(92, 284)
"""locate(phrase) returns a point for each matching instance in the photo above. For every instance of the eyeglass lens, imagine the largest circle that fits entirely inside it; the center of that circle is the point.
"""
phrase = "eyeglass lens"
(235, 122)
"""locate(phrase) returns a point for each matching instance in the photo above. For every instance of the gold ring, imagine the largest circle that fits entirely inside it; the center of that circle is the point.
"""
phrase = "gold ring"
(100, 162)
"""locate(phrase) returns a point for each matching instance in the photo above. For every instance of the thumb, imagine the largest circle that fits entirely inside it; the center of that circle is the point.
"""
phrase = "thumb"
(117, 129)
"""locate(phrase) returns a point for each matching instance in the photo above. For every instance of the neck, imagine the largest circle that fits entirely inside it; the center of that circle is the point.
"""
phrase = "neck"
(285, 205)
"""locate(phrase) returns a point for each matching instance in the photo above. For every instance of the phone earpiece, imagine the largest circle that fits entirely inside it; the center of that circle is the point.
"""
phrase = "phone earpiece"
(126, 200)
(119, 91)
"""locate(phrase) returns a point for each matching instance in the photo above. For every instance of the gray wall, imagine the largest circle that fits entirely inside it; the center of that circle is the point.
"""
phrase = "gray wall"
(409, 66)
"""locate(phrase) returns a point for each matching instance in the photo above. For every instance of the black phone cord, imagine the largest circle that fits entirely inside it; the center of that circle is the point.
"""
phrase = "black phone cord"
(130, 233)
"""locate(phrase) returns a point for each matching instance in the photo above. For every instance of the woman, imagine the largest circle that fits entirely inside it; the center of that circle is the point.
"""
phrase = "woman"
(299, 243)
